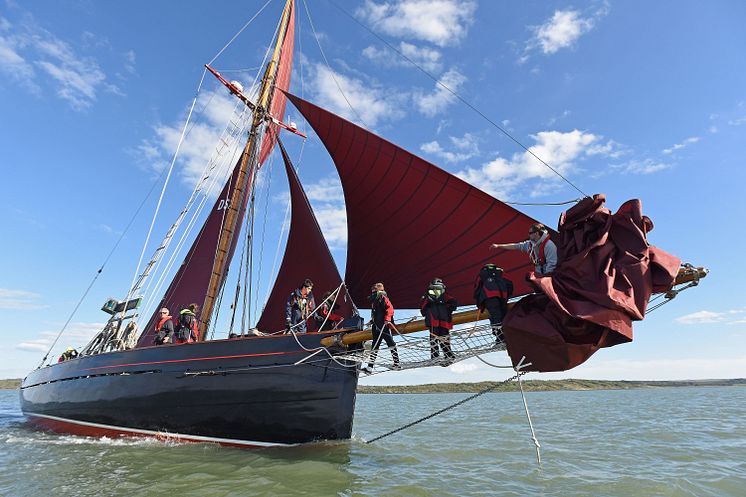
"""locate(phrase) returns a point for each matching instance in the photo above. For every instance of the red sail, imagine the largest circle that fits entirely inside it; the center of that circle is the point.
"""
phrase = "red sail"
(282, 82)
(189, 285)
(410, 221)
(606, 275)
(306, 256)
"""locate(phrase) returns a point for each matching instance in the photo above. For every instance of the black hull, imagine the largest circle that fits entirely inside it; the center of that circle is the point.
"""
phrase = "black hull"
(239, 392)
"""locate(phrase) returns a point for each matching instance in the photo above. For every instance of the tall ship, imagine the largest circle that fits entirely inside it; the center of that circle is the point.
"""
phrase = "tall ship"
(272, 384)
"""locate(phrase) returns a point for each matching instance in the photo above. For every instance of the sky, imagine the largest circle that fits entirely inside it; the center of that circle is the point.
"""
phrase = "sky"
(631, 99)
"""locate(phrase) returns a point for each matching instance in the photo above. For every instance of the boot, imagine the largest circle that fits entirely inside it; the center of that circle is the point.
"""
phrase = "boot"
(395, 358)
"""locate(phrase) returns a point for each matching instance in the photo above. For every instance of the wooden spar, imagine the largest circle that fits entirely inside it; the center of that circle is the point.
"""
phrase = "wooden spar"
(245, 173)
(686, 275)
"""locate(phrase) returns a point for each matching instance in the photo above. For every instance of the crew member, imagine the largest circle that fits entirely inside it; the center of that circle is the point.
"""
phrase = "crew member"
(69, 353)
(539, 247)
(491, 292)
(186, 326)
(437, 307)
(381, 317)
(164, 328)
(299, 307)
(326, 318)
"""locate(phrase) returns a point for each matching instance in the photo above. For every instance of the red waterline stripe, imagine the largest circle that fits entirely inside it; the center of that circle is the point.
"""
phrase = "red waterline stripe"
(87, 429)
(193, 359)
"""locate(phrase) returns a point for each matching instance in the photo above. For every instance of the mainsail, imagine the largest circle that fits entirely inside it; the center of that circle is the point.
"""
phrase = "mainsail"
(306, 256)
(410, 221)
(192, 282)
(189, 285)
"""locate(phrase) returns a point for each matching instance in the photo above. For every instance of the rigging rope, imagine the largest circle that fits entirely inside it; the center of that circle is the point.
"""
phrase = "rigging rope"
(238, 33)
(333, 75)
(163, 190)
(573, 201)
(459, 97)
(448, 408)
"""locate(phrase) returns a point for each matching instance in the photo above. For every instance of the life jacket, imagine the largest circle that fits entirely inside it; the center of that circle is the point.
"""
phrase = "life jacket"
(537, 254)
(161, 322)
(438, 310)
(491, 284)
(186, 327)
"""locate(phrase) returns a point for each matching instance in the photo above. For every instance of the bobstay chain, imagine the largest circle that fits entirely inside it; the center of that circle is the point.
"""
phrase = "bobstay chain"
(519, 373)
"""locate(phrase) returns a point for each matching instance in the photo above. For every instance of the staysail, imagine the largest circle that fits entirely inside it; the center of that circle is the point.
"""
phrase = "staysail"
(606, 276)
(410, 221)
(306, 256)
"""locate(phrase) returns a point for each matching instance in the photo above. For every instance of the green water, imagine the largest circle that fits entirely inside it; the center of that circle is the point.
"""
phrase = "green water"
(652, 442)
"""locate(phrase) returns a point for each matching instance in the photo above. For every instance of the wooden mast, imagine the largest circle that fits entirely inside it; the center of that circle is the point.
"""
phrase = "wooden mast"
(686, 275)
(246, 171)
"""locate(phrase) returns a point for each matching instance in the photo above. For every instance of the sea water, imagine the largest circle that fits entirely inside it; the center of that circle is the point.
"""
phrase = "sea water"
(646, 442)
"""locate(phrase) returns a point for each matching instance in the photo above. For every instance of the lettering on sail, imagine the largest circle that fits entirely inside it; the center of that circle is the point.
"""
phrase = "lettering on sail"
(223, 204)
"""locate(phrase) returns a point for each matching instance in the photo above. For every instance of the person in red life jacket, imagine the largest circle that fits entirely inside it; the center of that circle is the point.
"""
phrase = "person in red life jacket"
(437, 307)
(164, 328)
(299, 307)
(326, 318)
(186, 326)
(541, 250)
(69, 353)
(381, 317)
(491, 292)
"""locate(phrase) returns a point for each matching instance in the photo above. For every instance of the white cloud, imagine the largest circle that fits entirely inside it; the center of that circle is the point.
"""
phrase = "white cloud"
(19, 300)
(657, 369)
(205, 135)
(641, 166)
(327, 198)
(463, 368)
(501, 176)
(560, 31)
(427, 58)
(76, 335)
(466, 147)
(440, 98)
(701, 317)
(442, 22)
(678, 146)
(74, 77)
(735, 316)
(371, 104)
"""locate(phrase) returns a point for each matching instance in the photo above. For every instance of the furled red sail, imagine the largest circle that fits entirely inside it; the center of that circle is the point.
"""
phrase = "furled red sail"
(189, 285)
(606, 275)
(410, 221)
(306, 256)
(282, 82)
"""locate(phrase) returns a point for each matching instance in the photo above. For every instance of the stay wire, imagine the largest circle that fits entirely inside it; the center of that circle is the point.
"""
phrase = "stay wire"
(452, 406)
(459, 97)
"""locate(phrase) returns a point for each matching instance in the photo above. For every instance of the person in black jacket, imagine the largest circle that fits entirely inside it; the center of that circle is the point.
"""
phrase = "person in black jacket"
(437, 306)
(491, 292)
(299, 307)
(164, 328)
(381, 316)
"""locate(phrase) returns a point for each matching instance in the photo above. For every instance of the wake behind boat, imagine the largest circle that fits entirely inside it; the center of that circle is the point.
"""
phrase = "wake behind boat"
(272, 384)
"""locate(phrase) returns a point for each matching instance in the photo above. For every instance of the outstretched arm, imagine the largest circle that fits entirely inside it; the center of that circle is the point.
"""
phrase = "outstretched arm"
(506, 246)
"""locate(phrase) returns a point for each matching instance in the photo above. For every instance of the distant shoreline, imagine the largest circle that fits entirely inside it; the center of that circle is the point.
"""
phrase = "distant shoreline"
(547, 385)
(530, 385)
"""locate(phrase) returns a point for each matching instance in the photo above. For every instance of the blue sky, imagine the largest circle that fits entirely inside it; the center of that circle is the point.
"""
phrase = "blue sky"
(632, 99)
